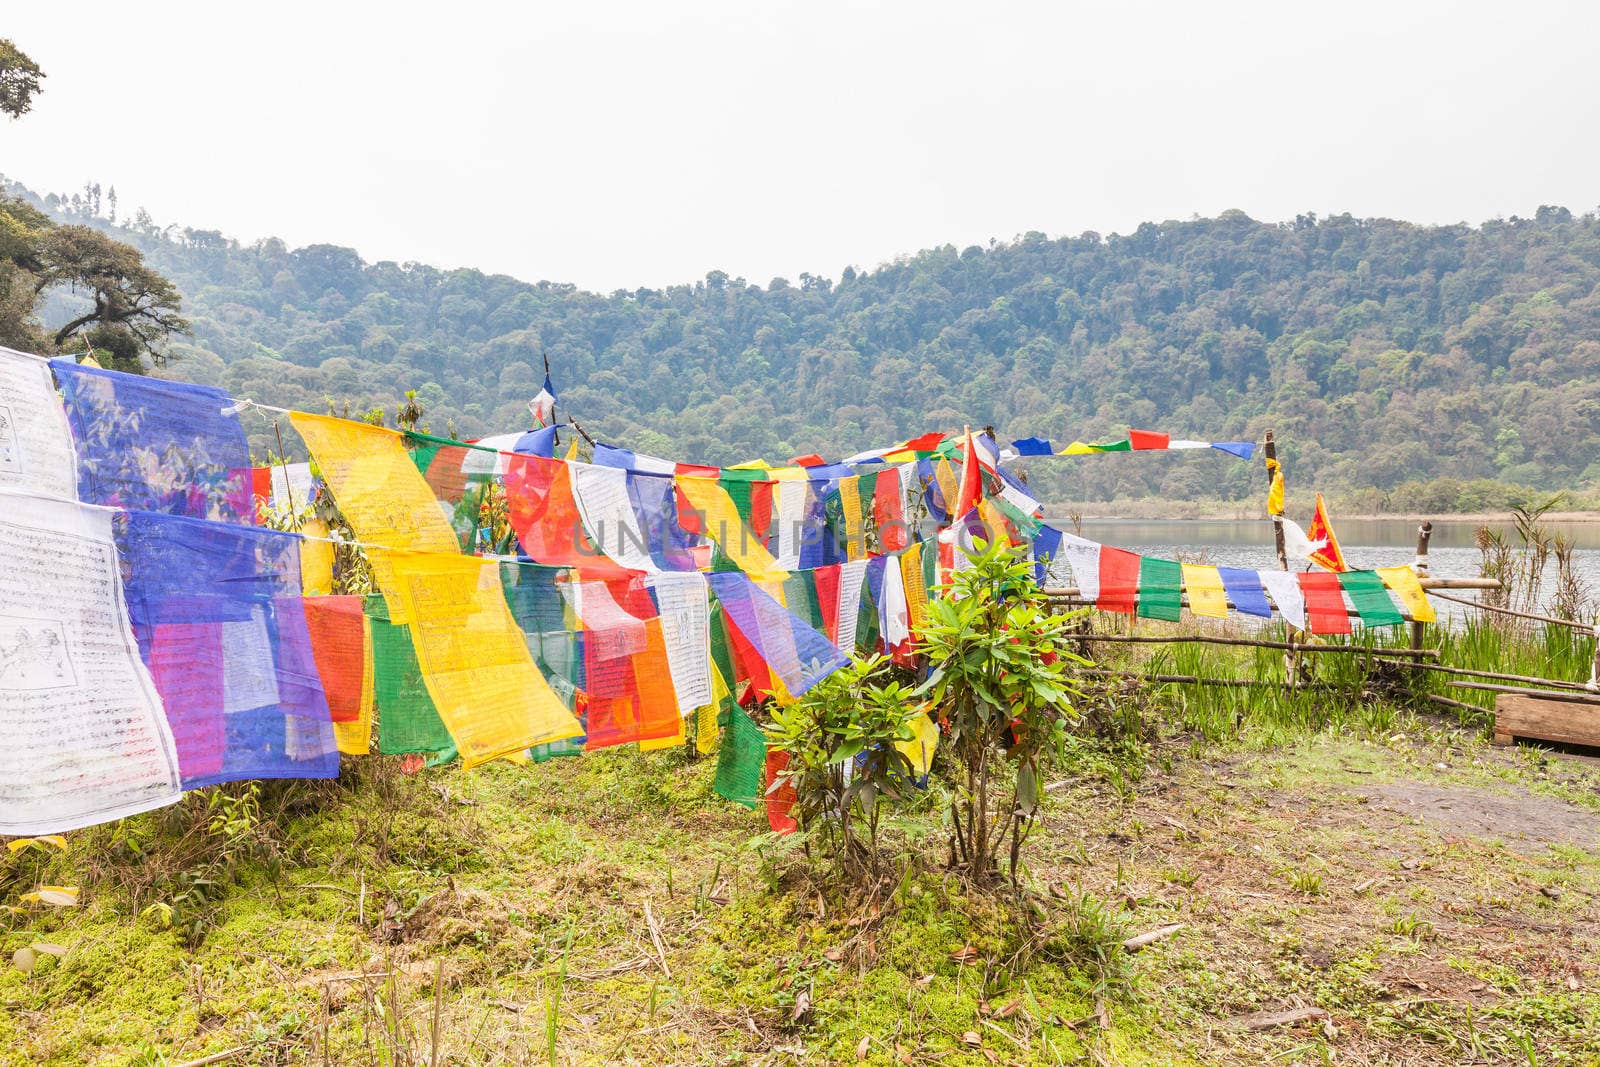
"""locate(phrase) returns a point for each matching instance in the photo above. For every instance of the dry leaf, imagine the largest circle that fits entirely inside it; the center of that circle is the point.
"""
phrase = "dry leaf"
(834, 954)
(802, 1006)
(49, 839)
(1009, 1010)
(965, 954)
(23, 959)
(971, 1038)
(59, 896)
(924, 982)
(861, 1049)
(1102, 1014)
(48, 949)
(1573, 983)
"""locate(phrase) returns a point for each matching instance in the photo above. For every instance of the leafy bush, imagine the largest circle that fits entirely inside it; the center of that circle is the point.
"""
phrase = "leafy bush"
(842, 742)
(1004, 697)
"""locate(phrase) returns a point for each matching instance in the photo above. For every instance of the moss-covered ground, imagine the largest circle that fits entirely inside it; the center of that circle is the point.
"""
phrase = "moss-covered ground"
(1405, 896)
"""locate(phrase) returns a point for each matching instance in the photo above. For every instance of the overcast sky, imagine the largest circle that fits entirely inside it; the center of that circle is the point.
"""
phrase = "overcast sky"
(616, 145)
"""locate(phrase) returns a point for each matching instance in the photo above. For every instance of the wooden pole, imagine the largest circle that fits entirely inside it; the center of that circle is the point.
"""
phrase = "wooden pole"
(1594, 672)
(1291, 663)
(1270, 448)
(1546, 694)
(1463, 672)
(1420, 566)
(1551, 619)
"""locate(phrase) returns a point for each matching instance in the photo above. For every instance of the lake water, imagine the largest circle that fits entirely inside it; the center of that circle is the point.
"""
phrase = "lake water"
(1367, 543)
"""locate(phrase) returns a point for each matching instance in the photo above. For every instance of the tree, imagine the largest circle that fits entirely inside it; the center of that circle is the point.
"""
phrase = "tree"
(19, 80)
(134, 309)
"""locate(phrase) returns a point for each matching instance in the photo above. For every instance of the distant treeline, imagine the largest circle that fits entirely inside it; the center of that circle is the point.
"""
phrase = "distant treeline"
(1462, 360)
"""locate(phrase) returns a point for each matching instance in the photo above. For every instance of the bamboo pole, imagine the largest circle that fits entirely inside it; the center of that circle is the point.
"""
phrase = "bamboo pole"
(1437, 699)
(1551, 619)
(1547, 694)
(1594, 672)
(1184, 679)
(1463, 672)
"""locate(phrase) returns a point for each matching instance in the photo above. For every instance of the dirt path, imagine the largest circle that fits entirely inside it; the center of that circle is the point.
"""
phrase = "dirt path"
(1414, 903)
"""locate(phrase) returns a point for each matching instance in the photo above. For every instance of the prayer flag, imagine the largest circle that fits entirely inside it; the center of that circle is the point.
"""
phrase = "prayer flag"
(1207, 595)
(1160, 585)
(1324, 602)
(1329, 555)
(1402, 581)
(1369, 598)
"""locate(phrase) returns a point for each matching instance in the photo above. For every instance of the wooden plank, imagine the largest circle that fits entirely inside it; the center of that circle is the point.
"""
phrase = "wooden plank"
(1544, 720)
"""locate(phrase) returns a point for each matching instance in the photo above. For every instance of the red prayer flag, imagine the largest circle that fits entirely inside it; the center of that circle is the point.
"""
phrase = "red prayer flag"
(780, 798)
(887, 512)
(1325, 611)
(1147, 440)
(1119, 580)
(827, 585)
(338, 644)
(928, 442)
(1330, 555)
(971, 480)
(811, 459)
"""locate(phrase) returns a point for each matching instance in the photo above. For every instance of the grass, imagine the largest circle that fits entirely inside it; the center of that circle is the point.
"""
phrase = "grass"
(1336, 847)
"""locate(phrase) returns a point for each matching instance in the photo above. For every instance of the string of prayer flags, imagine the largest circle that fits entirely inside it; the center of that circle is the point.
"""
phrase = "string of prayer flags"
(218, 614)
(1369, 598)
(608, 514)
(36, 451)
(82, 735)
(154, 445)
(1135, 441)
(1208, 598)
(1402, 582)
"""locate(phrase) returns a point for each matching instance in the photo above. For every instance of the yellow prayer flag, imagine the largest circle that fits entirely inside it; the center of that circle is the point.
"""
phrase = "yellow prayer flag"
(572, 451)
(919, 750)
(1077, 448)
(1275, 492)
(316, 559)
(655, 744)
(474, 660)
(944, 476)
(1402, 582)
(723, 524)
(381, 493)
(916, 588)
(855, 538)
(1207, 598)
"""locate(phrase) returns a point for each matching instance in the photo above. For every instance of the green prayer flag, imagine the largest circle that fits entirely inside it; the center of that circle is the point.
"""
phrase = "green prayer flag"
(1124, 445)
(408, 721)
(1370, 598)
(742, 760)
(1160, 589)
(800, 596)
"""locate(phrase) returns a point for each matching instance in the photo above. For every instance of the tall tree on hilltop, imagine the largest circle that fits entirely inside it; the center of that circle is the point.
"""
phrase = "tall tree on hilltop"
(19, 79)
(134, 309)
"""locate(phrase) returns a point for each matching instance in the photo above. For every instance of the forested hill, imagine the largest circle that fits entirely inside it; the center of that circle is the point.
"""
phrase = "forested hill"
(1381, 352)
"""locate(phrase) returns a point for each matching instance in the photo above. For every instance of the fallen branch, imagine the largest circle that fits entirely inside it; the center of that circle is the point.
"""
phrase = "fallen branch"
(1150, 937)
(1270, 1020)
